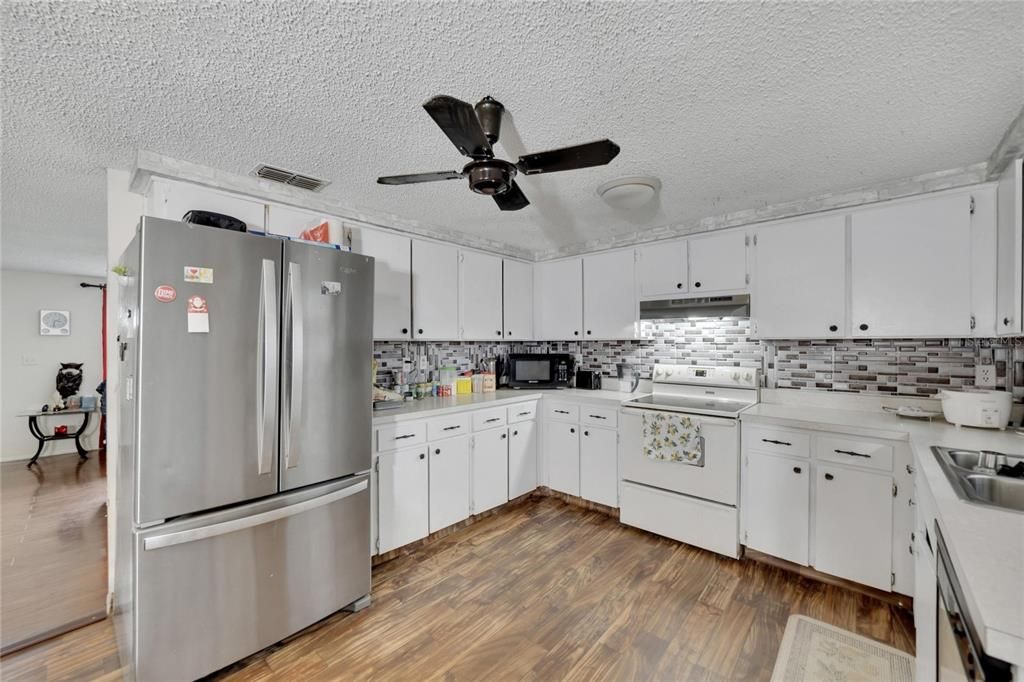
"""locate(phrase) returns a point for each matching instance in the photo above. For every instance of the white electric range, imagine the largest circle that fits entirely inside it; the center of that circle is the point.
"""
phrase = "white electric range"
(691, 501)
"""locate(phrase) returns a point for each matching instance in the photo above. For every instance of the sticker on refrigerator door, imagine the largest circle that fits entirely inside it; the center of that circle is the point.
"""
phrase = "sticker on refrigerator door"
(328, 288)
(198, 315)
(198, 275)
(165, 293)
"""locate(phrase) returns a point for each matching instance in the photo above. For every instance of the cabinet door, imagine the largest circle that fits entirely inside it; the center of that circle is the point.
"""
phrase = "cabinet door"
(562, 456)
(480, 296)
(776, 506)
(172, 200)
(517, 293)
(1009, 277)
(522, 458)
(558, 299)
(610, 307)
(392, 282)
(449, 482)
(435, 291)
(853, 525)
(402, 490)
(718, 262)
(599, 476)
(910, 268)
(490, 469)
(800, 280)
(662, 269)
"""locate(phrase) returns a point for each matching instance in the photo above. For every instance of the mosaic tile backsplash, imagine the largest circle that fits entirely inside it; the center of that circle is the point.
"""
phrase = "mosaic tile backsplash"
(919, 367)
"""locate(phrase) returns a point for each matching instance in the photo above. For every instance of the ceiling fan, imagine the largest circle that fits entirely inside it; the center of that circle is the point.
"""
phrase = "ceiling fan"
(474, 129)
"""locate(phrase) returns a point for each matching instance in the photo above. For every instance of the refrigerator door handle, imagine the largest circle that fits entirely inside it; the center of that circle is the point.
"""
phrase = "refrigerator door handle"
(266, 369)
(295, 346)
(213, 530)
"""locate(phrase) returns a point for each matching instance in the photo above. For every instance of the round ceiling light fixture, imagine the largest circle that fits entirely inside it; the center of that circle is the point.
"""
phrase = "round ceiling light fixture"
(629, 192)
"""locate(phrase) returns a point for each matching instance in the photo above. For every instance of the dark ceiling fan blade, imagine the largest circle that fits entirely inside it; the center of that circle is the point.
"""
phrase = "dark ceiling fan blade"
(418, 177)
(459, 122)
(569, 158)
(511, 199)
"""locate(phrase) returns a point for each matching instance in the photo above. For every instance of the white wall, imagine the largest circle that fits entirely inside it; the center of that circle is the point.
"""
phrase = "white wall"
(30, 361)
(123, 212)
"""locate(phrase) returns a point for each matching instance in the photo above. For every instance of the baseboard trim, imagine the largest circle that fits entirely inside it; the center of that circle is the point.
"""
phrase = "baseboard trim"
(54, 632)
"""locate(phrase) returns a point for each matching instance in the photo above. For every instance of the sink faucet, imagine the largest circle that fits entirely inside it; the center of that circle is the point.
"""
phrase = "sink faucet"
(989, 461)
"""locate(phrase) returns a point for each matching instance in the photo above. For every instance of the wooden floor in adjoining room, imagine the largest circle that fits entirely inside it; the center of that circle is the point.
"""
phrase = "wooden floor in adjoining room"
(542, 591)
(53, 546)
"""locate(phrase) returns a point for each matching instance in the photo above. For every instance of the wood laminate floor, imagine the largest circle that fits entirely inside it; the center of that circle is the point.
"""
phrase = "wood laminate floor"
(542, 591)
(53, 545)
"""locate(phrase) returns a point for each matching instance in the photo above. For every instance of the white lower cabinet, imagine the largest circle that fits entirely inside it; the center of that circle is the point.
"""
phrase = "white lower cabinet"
(598, 468)
(853, 525)
(562, 455)
(449, 482)
(402, 494)
(490, 469)
(777, 505)
(925, 586)
(522, 458)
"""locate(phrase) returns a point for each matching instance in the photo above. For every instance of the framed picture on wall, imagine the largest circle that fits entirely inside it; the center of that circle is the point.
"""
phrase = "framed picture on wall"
(54, 323)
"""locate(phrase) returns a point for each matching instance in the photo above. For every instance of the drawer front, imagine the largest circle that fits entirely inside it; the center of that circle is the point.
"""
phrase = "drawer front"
(489, 419)
(401, 435)
(448, 427)
(523, 412)
(599, 416)
(562, 412)
(777, 441)
(859, 452)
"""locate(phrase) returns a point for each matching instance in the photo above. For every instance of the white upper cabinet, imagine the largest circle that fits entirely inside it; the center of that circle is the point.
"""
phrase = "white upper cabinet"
(718, 262)
(517, 294)
(392, 281)
(172, 200)
(610, 309)
(480, 296)
(911, 268)
(558, 299)
(435, 291)
(799, 287)
(1010, 282)
(661, 269)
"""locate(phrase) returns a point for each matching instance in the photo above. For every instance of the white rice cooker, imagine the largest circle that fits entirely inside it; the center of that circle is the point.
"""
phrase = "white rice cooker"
(977, 407)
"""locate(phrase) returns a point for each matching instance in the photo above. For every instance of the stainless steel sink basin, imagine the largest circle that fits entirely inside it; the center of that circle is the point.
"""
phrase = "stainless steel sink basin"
(973, 476)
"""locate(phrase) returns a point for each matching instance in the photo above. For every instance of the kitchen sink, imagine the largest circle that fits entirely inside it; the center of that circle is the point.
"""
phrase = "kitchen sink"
(973, 474)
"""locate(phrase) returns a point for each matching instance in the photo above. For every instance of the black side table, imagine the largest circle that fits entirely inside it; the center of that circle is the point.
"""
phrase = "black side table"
(37, 433)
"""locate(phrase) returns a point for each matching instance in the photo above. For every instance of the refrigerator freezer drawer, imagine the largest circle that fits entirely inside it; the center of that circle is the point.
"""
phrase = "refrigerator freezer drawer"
(216, 588)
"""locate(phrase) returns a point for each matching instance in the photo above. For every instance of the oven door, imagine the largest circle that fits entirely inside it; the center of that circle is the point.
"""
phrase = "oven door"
(717, 480)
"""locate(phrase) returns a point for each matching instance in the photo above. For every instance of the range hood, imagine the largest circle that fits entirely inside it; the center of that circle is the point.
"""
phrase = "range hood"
(684, 308)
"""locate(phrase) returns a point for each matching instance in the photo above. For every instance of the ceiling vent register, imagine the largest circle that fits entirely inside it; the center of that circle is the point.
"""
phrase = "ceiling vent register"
(287, 177)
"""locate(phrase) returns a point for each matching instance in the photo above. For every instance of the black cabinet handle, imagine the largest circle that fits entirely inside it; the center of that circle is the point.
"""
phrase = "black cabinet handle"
(422, 455)
(596, 416)
(679, 285)
(572, 430)
(588, 332)
(508, 333)
(523, 414)
(492, 420)
(797, 470)
(437, 451)
(586, 433)
(405, 330)
(829, 477)
(833, 328)
(556, 412)
(407, 435)
(452, 428)
(498, 332)
(1006, 322)
(504, 436)
(863, 327)
(515, 433)
(697, 284)
(851, 453)
(419, 331)
(576, 333)
(775, 442)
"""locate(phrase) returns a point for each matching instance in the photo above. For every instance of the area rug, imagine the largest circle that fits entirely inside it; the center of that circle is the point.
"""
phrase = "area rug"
(813, 651)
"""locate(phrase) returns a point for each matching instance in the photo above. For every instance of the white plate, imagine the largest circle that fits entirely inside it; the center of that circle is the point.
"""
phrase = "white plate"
(912, 412)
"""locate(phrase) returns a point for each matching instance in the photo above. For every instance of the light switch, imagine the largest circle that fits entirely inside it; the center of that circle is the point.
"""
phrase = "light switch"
(29, 360)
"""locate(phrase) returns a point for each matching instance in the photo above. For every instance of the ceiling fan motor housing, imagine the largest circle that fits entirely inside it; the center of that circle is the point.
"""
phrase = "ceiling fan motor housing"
(490, 177)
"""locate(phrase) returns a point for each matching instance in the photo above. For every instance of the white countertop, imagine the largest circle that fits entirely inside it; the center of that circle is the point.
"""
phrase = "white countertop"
(429, 407)
(986, 544)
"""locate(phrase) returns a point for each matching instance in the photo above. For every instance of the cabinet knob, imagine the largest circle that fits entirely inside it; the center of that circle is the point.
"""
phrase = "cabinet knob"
(405, 330)
(572, 430)
(1006, 322)
(515, 433)
(863, 327)
(797, 470)
(588, 332)
(422, 455)
(679, 285)
(833, 328)
(437, 451)
(419, 331)
(586, 433)
(696, 284)
(508, 333)
(829, 477)
(498, 332)
(576, 333)
(504, 436)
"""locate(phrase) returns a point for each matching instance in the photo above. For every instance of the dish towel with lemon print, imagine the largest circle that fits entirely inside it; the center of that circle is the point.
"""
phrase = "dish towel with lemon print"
(670, 437)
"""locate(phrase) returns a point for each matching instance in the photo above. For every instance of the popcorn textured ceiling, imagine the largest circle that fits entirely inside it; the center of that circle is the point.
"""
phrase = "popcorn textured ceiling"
(733, 105)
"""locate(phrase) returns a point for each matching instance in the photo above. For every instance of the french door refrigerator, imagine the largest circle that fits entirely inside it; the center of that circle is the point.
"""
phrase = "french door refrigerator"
(243, 504)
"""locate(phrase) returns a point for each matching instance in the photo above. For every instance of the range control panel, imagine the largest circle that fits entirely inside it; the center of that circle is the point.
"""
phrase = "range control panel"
(737, 377)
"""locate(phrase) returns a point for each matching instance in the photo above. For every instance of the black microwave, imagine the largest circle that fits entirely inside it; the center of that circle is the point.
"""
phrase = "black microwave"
(539, 370)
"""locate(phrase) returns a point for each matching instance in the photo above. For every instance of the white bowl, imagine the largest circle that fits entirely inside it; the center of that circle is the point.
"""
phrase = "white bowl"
(977, 407)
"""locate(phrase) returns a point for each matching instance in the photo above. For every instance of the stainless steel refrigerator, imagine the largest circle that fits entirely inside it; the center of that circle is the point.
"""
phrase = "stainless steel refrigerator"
(243, 504)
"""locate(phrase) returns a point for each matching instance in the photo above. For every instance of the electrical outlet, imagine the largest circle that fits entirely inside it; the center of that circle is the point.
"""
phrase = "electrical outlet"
(985, 376)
